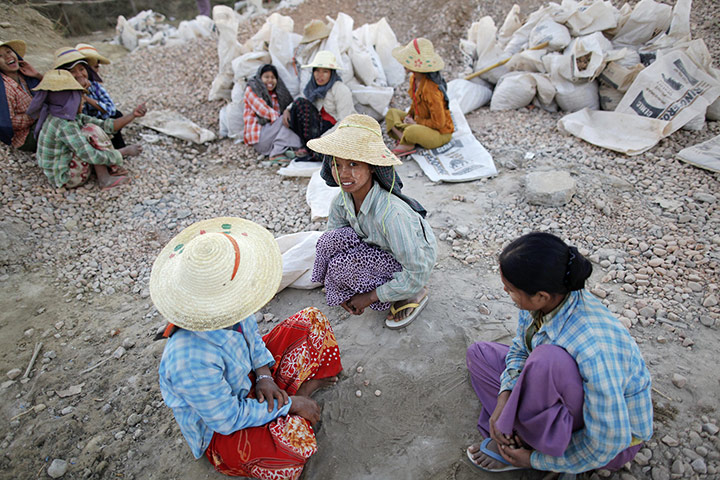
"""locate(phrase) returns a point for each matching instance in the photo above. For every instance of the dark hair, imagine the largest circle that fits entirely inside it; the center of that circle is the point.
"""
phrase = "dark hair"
(437, 78)
(542, 262)
(269, 68)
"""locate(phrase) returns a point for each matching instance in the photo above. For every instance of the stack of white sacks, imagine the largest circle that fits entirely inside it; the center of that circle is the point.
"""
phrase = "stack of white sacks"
(147, 29)
(368, 68)
(577, 55)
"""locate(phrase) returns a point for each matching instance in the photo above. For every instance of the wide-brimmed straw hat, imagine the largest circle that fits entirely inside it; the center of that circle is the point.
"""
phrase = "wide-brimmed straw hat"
(58, 81)
(357, 137)
(91, 53)
(67, 56)
(215, 273)
(315, 30)
(419, 56)
(18, 46)
(324, 59)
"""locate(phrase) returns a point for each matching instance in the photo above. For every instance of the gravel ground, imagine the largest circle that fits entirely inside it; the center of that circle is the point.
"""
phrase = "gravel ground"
(74, 270)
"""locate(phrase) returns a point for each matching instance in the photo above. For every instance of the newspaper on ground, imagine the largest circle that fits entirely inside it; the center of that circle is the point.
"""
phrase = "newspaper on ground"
(172, 123)
(703, 155)
(463, 159)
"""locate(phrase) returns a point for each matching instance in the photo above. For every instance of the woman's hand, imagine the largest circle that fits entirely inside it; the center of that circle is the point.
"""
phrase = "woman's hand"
(286, 118)
(517, 456)
(28, 70)
(500, 438)
(357, 303)
(409, 120)
(306, 407)
(267, 389)
(140, 110)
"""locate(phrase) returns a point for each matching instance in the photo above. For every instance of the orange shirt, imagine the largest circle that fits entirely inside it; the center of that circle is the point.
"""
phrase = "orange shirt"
(428, 106)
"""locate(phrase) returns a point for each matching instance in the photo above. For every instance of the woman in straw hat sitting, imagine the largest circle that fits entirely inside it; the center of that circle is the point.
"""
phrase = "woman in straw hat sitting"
(18, 79)
(266, 97)
(98, 102)
(240, 399)
(68, 141)
(428, 122)
(378, 251)
(325, 101)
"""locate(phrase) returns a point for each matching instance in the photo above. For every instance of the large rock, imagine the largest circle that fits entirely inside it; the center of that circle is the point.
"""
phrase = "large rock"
(552, 188)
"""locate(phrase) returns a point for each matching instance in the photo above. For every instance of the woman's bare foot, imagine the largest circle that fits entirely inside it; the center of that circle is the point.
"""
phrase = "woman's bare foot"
(131, 150)
(402, 314)
(117, 170)
(311, 386)
(479, 458)
(396, 133)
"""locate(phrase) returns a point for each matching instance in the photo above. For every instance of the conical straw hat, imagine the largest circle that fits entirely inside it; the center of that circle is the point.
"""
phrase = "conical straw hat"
(66, 55)
(215, 273)
(18, 46)
(419, 56)
(359, 138)
(315, 30)
(58, 81)
(324, 59)
(91, 53)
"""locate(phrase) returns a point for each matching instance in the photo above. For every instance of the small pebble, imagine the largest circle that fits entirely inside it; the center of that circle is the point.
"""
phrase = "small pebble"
(57, 468)
(378, 393)
(678, 380)
(359, 369)
(358, 394)
(14, 373)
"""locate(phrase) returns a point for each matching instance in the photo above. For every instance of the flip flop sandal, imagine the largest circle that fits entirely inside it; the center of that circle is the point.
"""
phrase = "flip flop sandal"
(396, 324)
(403, 153)
(280, 159)
(495, 456)
(119, 180)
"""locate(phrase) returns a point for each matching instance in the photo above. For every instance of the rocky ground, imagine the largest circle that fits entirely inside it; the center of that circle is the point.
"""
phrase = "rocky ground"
(74, 270)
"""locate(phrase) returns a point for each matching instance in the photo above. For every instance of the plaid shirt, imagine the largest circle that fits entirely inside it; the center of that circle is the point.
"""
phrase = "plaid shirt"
(61, 142)
(386, 221)
(256, 107)
(617, 404)
(98, 93)
(204, 380)
(18, 100)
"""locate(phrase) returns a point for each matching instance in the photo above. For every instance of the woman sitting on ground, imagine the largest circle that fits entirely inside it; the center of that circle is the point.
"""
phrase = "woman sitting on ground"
(266, 97)
(240, 399)
(18, 79)
(68, 141)
(428, 122)
(325, 101)
(572, 392)
(98, 102)
(378, 251)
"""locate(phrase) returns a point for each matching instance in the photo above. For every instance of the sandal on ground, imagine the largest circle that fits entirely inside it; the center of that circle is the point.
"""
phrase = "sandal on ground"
(117, 181)
(402, 152)
(281, 159)
(495, 456)
(395, 324)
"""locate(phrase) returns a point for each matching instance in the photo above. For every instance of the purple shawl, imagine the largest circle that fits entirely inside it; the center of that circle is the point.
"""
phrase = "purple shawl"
(63, 104)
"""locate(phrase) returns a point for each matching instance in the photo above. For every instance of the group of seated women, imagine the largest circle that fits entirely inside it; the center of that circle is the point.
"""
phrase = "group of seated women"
(65, 116)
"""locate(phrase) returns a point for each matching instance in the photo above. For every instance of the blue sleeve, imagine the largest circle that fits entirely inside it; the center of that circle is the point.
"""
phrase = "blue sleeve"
(259, 354)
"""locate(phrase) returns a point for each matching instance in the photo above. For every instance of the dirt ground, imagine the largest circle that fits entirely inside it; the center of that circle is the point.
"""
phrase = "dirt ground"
(92, 397)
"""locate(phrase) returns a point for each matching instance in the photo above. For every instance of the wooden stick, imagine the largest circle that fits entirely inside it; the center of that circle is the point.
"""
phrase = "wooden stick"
(503, 62)
(38, 346)
(95, 366)
(662, 394)
(21, 414)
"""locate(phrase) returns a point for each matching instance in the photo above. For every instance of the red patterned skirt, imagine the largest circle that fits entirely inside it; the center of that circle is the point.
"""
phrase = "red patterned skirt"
(304, 347)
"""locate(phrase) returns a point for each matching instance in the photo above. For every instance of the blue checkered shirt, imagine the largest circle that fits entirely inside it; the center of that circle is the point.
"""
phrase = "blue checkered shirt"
(98, 93)
(204, 380)
(617, 404)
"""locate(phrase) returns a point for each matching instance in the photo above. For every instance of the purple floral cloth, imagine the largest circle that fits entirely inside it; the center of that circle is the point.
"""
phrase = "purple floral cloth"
(348, 266)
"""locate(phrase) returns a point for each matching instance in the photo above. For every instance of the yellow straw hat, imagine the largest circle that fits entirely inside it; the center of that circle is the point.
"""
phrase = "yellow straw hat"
(18, 46)
(58, 81)
(359, 138)
(91, 54)
(315, 30)
(66, 55)
(215, 273)
(419, 56)
(324, 59)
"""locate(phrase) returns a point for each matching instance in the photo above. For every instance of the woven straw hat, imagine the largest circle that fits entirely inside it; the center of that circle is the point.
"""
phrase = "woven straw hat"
(91, 54)
(359, 138)
(18, 46)
(419, 56)
(67, 55)
(58, 81)
(324, 59)
(315, 30)
(215, 273)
